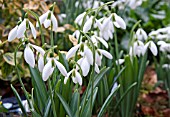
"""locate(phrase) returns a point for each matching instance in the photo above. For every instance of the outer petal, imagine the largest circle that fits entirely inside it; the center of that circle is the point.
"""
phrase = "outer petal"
(72, 51)
(47, 71)
(99, 25)
(21, 29)
(47, 23)
(105, 24)
(29, 56)
(87, 25)
(153, 48)
(68, 75)
(41, 63)
(88, 53)
(39, 49)
(120, 21)
(97, 68)
(32, 29)
(78, 78)
(42, 18)
(54, 21)
(12, 34)
(85, 66)
(98, 59)
(105, 53)
(79, 18)
(61, 68)
(102, 41)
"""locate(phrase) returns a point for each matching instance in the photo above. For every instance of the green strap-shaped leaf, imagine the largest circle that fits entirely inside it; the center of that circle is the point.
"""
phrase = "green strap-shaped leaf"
(66, 106)
(107, 101)
(75, 101)
(19, 101)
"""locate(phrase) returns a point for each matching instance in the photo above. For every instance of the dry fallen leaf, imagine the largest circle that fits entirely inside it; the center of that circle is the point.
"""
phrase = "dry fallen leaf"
(73, 40)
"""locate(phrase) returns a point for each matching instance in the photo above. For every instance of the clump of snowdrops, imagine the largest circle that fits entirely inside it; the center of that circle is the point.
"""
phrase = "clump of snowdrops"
(93, 60)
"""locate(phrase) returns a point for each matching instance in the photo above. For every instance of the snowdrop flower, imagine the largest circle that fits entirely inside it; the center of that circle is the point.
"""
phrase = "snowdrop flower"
(29, 54)
(75, 75)
(164, 47)
(151, 45)
(41, 63)
(138, 49)
(48, 19)
(134, 3)
(19, 30)
(49, 68)
(141, 34)
(79, 18)
(106, 28)
(95, 39)
(166, 66)
(120, 61)
(119, 22)
(87, 25)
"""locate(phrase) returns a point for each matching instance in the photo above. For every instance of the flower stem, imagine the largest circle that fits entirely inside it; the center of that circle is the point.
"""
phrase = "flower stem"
(51, 37)
(18, 74)
(51, 97)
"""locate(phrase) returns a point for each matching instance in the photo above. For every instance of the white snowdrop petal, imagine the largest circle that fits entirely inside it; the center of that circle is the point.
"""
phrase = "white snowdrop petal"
(21, 29)
(97, 68)
(13, 34)
(116, 24)
(47, 23)
(40, 63)
(153, 48)
(102, 41)
(105, 24)
(105, 35)
(29, 56)
(105, 53)
(98, 59)
(47, 71)
(68, 75)
(85, 66)
(120, 21)
(39, 49)
(161, 42)
(61, 68)
(79, 18)
(32, 29)
(78, 78)
(87, 25)
(42, 18)
(99, 25)
(88, 53)
(120, 61)
(72, 51)
(54, 21)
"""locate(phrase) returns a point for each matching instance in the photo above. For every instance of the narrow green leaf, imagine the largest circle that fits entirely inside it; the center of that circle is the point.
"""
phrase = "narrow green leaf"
(19, 101)
(47, 108)
(75, 101)
(66, 106)
(35, 114)
(107, 101)
(86, 111)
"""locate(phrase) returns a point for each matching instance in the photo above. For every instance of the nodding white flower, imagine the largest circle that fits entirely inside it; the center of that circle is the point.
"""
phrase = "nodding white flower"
(120, 61)
(166, 66)
(138, 49)
(76, 34)
(22, 28)
(19, 30)
(49, 68)
(79, 18)
(40, 63)
(106, 28)
(134, 3)
(105, 53)
(162, 36)
(164, 47)
(141, 34)
(76, 77)
(87, 25)
(119, 22)
(49, 20)
(152, 47)
(85, 65)
(72, 51)
(29, 54)
(97, 39)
